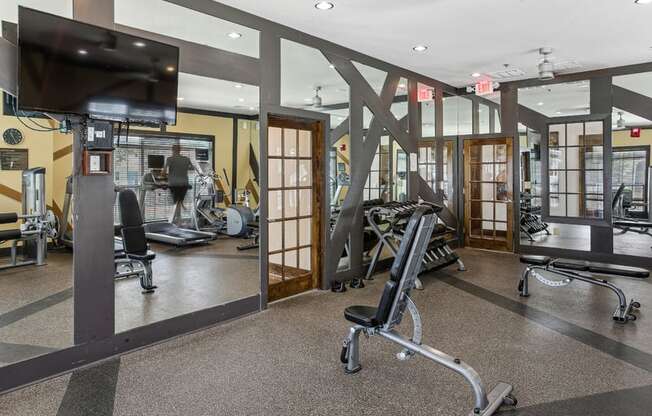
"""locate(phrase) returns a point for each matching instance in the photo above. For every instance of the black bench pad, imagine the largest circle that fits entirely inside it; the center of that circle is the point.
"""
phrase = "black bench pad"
(633, 224)
(10, 235)
(587, 266)
(146, 256)
(362, 315)
(8, 218)
(535, 260)
(602, 268)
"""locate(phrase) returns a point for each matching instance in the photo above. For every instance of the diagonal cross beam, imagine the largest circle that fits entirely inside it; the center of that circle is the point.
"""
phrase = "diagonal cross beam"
(427, 194)
(381, 111)
(340, 131)
(351, 211)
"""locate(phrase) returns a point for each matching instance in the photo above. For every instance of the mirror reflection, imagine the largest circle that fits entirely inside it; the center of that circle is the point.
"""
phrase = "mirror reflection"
(186, 210)
(630, 167)
(36, 295)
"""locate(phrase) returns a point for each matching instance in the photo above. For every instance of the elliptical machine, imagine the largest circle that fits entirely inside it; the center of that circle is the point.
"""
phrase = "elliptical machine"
(233, 221)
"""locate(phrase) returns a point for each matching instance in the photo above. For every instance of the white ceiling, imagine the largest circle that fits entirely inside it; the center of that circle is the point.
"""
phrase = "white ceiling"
(217, 95)
(463, 37)
(474, 36)
(9, 8)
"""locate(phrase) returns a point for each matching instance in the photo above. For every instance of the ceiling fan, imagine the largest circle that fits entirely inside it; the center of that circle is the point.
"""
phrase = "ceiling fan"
(317, 102)
(546, 67)
(621, 121)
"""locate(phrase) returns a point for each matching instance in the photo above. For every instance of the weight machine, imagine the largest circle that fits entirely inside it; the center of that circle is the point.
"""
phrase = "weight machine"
(389, 221)
(38, 225)
(384, 319)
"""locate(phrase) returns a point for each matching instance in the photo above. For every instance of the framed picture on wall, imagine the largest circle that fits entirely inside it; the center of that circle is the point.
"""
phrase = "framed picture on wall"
(13, 159)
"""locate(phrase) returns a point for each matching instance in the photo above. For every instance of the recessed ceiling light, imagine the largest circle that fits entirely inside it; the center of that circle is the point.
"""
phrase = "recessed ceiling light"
(82, 52)
(324, 5)
(170, 68)
(331, 66)
(238, 86)
(180, 98)
(420, 48)
(539, 103)
(234, 35)
(252, 108)
(241, 100)
(139, 44)
(476, 75)
(642, 1)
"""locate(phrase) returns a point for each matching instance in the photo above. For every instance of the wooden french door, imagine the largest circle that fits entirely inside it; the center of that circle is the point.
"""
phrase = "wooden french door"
(294, 206)
(488, 193)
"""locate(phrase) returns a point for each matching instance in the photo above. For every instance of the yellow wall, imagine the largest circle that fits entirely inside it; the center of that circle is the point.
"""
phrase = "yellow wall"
(220, 127)
(346, 140)
(40, 147)
(621, 138)
(248, 133)
(43, 145)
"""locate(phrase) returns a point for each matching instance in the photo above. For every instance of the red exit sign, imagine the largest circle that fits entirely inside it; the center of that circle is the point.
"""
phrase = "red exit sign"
(424, 93)
(635, 132)
(484, 87)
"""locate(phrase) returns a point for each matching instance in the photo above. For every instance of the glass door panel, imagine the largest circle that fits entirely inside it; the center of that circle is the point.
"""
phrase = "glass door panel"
(292, 210)
(488, 193)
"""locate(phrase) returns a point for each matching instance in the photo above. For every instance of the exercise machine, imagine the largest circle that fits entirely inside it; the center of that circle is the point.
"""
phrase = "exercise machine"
(384, 319)
(128, 261)
(530, 221)
(543, 268)
(389, 221)
(166, 232)
(621, 220)
(135, 259)
(343, 181)
(233, 220)
(38, 223)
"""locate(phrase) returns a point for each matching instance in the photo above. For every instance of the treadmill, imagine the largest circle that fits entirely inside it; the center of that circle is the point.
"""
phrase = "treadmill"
(65, 236)
(163, 231)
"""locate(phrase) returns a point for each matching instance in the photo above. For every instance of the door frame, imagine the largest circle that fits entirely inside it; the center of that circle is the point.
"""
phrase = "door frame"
(512, 222)
(274, 111)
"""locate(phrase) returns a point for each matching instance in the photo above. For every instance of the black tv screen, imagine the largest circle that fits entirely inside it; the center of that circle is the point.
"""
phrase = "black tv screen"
(70, 67)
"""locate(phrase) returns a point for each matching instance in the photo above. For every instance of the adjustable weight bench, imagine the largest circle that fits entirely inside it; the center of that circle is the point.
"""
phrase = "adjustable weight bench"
(569, 270)
(383, 319)
(135, 248)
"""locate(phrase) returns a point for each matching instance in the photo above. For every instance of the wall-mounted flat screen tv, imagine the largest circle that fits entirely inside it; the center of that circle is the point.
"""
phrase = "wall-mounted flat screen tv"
(68, 67)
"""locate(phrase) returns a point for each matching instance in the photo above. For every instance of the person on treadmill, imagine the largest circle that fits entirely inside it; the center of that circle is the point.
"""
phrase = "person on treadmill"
(177, 167)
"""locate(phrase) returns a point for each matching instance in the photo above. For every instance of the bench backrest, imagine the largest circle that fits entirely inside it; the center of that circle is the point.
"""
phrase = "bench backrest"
(133, 232)
(406, 266)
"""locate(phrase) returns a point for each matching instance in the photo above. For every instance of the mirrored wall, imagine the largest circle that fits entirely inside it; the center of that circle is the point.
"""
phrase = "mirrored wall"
(196, 188)
(36, 285)
(632, 138)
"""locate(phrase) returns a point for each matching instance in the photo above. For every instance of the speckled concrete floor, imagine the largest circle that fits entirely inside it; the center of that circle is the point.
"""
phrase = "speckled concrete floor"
(285, 361)
(36, 305)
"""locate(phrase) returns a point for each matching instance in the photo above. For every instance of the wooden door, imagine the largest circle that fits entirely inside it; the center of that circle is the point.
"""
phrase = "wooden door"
(488, 193)
(294, 206)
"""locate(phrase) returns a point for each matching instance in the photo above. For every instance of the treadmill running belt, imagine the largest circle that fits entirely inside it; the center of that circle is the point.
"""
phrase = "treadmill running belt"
(172, 230)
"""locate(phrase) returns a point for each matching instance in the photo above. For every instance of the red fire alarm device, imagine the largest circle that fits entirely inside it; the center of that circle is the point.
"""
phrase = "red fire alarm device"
(635, 132)
(343, 147)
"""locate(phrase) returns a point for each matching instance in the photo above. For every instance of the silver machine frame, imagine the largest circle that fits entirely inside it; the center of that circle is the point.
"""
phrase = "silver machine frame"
(485, 404)
(38, 222)
(151, 184)
(388, 237)
(624, 310)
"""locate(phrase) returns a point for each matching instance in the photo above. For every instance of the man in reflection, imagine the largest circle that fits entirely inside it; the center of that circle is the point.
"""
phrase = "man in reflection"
(177, 167)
